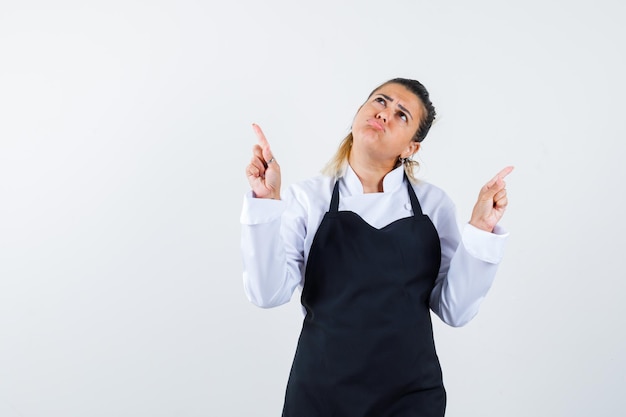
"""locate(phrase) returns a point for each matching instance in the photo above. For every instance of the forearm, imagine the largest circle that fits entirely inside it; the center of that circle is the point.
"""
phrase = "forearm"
(460, 289)
(271, 270)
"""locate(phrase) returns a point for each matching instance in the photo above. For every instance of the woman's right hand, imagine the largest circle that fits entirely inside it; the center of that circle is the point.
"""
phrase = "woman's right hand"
(263, 172)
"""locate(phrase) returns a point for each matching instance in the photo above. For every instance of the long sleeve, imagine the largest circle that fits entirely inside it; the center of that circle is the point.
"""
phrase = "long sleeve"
(272, 238)
(468, 269)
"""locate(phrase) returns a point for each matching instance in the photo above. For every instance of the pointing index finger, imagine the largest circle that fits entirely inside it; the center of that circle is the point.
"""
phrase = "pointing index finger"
(262, 139)
(499, 176)
(506, 171)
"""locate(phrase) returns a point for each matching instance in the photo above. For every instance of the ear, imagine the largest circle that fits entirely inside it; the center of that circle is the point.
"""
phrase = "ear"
(411, 149)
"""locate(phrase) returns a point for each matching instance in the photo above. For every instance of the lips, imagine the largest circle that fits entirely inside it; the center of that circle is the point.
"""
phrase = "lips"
(376, 124)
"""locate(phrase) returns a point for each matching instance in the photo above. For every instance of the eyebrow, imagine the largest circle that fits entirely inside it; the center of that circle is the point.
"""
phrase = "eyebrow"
(399, 105)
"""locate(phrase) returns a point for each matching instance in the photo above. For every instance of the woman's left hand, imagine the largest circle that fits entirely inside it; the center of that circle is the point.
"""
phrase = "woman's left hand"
(492, 202)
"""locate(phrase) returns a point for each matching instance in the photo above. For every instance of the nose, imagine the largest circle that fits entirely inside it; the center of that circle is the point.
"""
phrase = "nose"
(383, 115)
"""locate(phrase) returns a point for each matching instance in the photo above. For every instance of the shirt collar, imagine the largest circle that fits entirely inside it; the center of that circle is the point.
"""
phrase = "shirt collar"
(391, 182)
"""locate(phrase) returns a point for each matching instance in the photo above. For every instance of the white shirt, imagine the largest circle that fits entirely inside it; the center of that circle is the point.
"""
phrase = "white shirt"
(277, 235)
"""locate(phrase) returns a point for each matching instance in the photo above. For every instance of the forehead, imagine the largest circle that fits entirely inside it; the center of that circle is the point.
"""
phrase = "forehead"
(399, 92)
(402, 94)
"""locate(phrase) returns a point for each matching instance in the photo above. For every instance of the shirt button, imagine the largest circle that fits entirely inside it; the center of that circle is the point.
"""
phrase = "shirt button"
(407, 206)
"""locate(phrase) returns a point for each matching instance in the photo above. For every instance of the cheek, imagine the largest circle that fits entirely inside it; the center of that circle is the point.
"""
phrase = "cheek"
(357, 118)
(361, 110)
(360, 119)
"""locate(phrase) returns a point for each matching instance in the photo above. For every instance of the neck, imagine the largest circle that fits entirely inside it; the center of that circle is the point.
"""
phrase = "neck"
(370, 173)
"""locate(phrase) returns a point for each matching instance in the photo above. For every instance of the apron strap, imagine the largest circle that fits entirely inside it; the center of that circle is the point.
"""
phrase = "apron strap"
(334, 202)
(417, 209)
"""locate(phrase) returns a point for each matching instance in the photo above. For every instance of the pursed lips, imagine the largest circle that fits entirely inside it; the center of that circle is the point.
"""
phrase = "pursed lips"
(376, 124)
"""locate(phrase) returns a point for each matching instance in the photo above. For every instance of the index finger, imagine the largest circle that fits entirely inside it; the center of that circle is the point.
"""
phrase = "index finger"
(259, 133)
(500, 175)
(506, 171)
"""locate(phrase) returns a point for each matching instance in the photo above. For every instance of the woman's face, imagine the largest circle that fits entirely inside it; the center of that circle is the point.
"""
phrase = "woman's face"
(385, 125)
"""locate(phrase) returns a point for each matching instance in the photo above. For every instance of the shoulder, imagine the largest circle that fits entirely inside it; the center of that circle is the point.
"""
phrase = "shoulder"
(440, 208)
(436, 204)
(431, 195)
(312, 188)
(311, 194)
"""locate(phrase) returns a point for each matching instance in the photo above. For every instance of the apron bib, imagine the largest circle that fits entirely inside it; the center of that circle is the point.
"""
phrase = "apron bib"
(366, 348)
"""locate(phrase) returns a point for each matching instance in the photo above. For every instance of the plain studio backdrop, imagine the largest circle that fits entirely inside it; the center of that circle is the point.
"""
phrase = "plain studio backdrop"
(125, 128)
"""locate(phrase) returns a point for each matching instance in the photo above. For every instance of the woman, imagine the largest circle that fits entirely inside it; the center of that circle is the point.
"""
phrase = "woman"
(373, 250)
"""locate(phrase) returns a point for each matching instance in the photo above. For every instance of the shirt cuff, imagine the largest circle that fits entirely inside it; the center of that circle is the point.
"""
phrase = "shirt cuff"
(486, 246)
(260, 210)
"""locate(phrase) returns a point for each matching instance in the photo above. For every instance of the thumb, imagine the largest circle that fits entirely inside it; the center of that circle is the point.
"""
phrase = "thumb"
(267, 154)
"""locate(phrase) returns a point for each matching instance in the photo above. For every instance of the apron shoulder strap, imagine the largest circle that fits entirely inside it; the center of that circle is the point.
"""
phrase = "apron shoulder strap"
(334, 202)
(417, 208)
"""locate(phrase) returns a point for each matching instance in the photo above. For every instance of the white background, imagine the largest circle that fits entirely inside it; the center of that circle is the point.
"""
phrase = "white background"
(124, 133)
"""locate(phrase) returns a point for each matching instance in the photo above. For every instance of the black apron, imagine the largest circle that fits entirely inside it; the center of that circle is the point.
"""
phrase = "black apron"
(366, 347)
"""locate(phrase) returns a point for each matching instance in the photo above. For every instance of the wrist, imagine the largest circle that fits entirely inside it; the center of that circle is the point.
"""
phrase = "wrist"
(269, 196)
(482, 225)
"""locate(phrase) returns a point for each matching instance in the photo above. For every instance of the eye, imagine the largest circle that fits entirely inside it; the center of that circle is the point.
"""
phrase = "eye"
(380, 100)
(403, 116)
